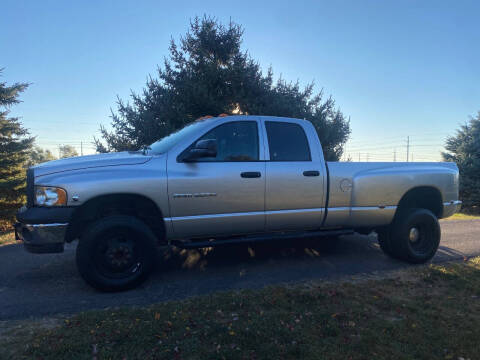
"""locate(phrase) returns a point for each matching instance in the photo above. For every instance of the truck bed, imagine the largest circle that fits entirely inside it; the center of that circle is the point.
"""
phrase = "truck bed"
(372, 190)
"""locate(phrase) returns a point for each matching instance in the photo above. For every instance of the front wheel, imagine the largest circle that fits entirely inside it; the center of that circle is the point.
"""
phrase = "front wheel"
(116, 253)
(413, 237)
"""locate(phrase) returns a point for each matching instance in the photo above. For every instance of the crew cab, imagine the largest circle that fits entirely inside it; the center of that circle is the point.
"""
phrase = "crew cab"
(227, 180)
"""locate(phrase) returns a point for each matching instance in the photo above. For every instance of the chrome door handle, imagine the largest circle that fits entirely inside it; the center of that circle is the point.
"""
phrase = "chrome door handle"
(251, 174)
(311, 173)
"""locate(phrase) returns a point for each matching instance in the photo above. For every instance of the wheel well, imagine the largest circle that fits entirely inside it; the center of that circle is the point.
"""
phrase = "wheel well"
(138, 206)
(424, 197)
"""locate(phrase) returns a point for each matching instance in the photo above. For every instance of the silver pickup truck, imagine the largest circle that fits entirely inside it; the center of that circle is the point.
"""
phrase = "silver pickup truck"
(227, 180)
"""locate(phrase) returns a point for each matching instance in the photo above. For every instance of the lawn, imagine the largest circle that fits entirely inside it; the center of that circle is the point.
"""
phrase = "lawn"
(462, 216)
(424, 312)
(7, 237)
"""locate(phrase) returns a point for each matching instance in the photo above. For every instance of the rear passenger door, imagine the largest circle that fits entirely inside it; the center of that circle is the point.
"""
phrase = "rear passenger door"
(294, 194)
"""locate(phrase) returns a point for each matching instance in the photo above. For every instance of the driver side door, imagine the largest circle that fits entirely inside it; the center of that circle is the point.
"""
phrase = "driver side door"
(221, 195)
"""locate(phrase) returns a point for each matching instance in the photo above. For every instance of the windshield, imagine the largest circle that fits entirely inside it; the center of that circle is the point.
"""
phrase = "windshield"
(163, 145)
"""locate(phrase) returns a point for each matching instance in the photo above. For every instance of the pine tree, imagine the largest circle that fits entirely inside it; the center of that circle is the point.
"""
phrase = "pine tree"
(67, 151)
(39, 155)
(464, 149)
(208, 73)
(15, 147)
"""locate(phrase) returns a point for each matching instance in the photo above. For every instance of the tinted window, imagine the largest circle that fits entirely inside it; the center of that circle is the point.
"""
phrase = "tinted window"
(236, 141)
(287, 142)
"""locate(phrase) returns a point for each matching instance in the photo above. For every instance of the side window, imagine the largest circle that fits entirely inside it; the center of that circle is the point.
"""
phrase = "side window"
(236, 141)
(287, 142)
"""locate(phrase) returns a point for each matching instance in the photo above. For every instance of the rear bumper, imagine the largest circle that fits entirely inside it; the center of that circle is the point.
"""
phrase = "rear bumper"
(451, 207)
(41, 238)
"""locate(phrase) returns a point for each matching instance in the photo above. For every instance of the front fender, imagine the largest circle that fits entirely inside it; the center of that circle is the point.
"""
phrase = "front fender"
(148, 180)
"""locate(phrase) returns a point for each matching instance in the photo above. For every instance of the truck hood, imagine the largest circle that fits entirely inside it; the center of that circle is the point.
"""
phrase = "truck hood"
(91, 161)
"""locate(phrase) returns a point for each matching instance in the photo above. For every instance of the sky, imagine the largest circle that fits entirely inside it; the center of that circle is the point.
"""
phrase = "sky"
(398, 69)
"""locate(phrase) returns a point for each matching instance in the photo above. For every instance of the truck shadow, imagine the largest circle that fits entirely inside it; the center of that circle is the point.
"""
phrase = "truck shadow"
(227, 255)
(247, 253)
(355, 248)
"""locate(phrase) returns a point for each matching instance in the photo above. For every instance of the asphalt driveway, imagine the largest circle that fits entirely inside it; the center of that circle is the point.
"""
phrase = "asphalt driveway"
(44, 285)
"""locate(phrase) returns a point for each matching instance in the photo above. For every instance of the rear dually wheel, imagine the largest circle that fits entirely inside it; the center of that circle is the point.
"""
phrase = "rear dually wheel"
(414, 236)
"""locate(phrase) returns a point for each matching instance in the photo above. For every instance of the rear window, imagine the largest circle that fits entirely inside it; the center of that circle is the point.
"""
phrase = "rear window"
(287, 142)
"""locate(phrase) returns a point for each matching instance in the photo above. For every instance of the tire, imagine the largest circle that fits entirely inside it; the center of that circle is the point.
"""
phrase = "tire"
(414, 236)
(116, 253)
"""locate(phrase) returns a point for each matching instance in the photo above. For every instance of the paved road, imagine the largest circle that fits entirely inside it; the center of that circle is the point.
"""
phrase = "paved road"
(43, 285)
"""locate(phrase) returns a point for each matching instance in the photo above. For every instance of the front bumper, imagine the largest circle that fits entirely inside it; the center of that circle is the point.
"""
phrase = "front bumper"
(43, 230)
(451, 207)
(41, 238)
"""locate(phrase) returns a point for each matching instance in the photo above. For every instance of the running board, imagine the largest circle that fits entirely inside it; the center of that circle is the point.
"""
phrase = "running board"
(260, 238)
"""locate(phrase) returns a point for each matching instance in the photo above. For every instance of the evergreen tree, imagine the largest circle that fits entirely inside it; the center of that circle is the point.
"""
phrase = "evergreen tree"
(464, 149)
(207, 73)
(39, 155)
(15, 147)
(67, 151)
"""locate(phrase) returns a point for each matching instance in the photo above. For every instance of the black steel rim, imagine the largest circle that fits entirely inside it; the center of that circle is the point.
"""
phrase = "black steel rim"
(117, 255)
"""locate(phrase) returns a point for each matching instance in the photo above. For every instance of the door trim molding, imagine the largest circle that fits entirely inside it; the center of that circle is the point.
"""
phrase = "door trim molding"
(252, 213)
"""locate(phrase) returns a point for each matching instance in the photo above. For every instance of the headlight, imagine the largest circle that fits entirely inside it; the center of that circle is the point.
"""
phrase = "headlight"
(50, 196)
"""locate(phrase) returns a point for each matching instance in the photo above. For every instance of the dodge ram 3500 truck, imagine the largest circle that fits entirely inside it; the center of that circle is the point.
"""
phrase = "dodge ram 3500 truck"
(227, 180)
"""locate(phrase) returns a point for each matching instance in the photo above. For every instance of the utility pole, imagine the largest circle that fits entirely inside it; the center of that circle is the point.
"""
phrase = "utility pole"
(81, 148)
(358, 157)
(59, 151)
(368, 157)
(394, 155)
(408, 147)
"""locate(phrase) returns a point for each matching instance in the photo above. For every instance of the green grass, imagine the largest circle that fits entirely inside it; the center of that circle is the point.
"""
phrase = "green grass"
(420, 313)
(7, 237)
(461, 216)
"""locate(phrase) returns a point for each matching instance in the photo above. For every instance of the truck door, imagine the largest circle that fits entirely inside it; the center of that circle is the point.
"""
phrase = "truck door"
(294, 197)
(222, 195)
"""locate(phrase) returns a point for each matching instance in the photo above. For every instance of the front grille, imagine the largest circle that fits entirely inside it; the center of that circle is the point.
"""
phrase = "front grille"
(30, 181)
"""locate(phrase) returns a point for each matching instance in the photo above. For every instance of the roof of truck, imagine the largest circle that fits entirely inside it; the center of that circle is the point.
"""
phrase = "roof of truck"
(265, 117)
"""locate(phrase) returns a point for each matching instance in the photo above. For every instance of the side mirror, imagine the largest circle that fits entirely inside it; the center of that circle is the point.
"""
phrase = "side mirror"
(202, 149)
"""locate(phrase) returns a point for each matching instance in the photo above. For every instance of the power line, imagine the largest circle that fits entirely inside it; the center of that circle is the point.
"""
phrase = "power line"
(424, 136)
